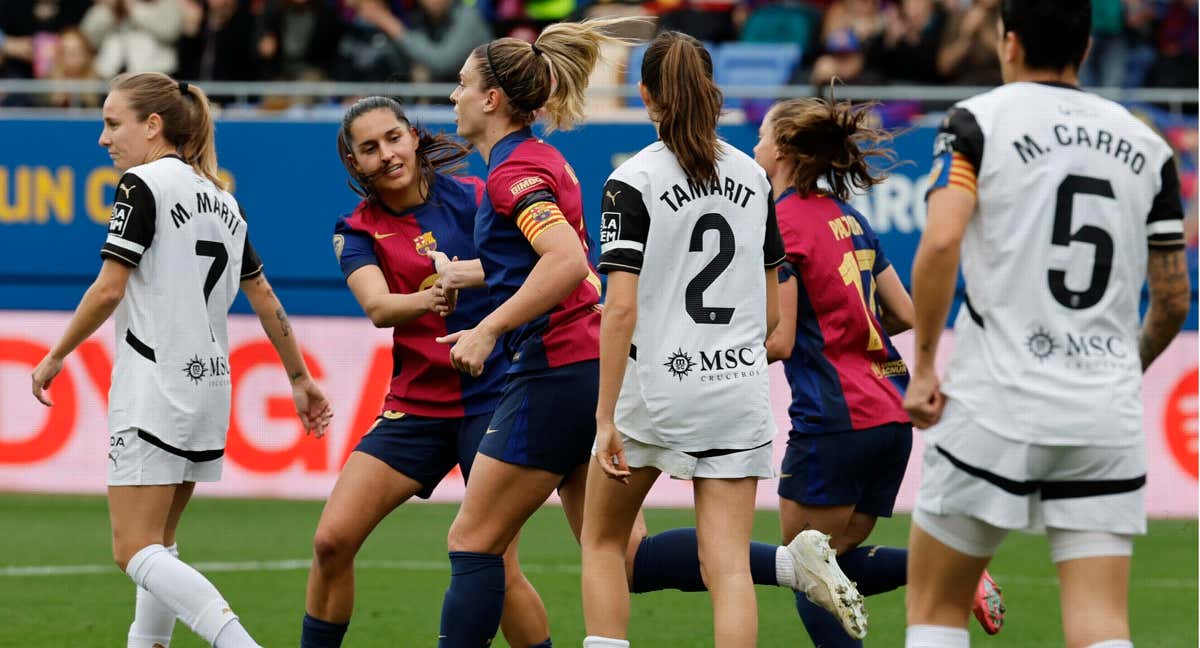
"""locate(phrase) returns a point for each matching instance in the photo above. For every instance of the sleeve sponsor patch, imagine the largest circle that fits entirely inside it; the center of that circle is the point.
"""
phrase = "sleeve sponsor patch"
(610, 227)
(119, 218)
(339, 244)
(524, 184)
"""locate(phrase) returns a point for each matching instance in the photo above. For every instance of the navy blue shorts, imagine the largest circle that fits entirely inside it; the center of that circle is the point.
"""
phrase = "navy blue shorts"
(546, 419)
(423, 448)
(859, 467)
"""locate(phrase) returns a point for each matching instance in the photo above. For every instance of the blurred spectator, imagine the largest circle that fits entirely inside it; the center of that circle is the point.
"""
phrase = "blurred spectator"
(710, 21)
(843, 58)
(365, 52)
(439, 37)
(968, 51)
(523, 20)
(298, 39)
(1105, 62)
(29, 30)
(133, 35)
(217, 42)
(907, 50)
(73, 61)
(1175, 36)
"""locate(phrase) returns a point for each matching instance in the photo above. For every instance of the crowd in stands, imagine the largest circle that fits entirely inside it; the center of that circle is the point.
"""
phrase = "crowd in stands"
(1136, 42)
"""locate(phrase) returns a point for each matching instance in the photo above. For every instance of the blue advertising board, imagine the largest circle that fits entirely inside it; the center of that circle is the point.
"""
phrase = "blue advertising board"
(56, 188)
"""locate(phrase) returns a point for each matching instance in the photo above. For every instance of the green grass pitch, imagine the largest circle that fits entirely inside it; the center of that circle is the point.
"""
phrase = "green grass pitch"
(403, 571)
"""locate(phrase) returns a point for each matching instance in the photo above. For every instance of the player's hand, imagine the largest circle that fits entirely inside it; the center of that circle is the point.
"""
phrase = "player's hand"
(43, 374)
(312, 406)
(471, 349)
(451, 272)
(610, 452)
(444, 300)
(924, 400)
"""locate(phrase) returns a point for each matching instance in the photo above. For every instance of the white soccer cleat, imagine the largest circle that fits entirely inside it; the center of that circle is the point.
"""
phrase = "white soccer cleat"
(822, 581)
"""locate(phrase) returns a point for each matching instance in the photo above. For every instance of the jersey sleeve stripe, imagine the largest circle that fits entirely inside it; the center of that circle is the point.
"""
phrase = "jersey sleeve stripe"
(128, 245)
(253, 273)
(1164, 227)
(622, 245)
(107, 252)
(608, 266)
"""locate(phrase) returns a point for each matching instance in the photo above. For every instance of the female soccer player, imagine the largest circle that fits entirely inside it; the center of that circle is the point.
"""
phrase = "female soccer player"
(840, 301)
(690, 243)
(175, 254)
(413, 208)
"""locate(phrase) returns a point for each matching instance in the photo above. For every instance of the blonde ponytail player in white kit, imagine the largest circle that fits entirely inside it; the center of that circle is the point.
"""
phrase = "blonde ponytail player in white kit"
(690, 245)
(175, 255)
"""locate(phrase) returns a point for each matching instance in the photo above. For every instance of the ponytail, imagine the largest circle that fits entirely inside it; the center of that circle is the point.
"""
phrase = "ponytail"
(677, 73)
(831, 141)
(186, 116)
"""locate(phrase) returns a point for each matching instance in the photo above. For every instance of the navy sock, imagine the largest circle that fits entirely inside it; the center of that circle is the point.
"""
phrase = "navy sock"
(823, 628)
(474, 601)
(544, 644)
(316, 633)
(671, 560)
(875, 569)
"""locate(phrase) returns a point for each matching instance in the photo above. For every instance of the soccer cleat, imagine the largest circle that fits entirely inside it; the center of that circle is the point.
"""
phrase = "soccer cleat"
(989, 604)
(822, 581)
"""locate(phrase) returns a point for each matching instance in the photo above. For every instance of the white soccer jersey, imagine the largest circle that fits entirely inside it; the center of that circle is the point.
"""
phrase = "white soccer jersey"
(697, 377)
(186, 240)
(1072, 191)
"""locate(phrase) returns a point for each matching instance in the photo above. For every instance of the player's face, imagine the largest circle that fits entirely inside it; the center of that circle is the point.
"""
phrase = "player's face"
(385, 150)
(766, 153)
(469, 100)
(123, 135)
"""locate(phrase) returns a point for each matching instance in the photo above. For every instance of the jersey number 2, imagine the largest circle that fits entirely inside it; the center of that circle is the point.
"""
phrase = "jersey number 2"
(220, 259)
(1090, 234)
(694, 295)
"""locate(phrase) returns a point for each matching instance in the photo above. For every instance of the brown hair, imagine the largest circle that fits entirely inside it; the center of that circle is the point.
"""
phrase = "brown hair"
(677, 72)
(185, 112)
(553, 72)
(435, 153)
(832, 141)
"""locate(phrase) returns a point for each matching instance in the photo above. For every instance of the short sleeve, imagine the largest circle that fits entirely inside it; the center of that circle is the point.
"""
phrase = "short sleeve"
(786, 271)
(353, 249)
(882, 262)
(624, 225)
(252, 266)
(510, 184)
(773, 252)
(957, 152)
(1164, 224)
(131, 225)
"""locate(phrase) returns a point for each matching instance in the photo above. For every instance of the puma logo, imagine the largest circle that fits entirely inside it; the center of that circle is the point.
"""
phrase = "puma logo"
(127, 189)
(607, 194)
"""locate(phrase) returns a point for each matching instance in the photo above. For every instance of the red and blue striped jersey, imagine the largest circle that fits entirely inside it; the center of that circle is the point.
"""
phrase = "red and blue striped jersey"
(530, 188)
(423, 381)
(844, 372)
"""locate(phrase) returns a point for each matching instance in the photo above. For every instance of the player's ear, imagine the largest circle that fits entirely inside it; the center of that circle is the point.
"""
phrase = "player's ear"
(645, 94)
(491, 99)
(153, 125)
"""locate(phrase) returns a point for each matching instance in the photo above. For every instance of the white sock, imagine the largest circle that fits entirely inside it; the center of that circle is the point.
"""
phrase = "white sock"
(1113, 643)
(233, 635)
(182, 589)
(785, 568)
(931, 636)
(604, 642)
(153, 622)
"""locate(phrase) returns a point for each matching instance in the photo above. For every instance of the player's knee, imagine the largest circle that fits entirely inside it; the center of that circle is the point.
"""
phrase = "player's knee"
(331, 549)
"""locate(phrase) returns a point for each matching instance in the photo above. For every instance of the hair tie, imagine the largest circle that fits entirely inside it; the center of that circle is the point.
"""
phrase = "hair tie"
(536, 51)
(183, 87)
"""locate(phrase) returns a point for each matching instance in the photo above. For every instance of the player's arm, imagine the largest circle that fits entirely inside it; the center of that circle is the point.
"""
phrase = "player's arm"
(561, 267)
(935, 269)
(895, 305)
(1166, 269)
(616, 335)
(384, 308)
(782, 340)
(96, 306)
(455, 274)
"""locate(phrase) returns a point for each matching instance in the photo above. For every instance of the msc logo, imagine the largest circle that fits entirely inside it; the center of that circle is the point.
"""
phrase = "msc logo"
(726, 359)
(679, 364)
(119, 217)
(198, 369)
(610, 227)
(1040, 343)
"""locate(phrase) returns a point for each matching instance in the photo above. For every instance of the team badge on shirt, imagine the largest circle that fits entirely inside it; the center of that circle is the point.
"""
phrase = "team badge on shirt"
(425, 243)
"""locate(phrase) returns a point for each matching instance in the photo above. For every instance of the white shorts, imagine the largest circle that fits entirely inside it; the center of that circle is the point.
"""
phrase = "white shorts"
(968, 470)
(755, 462)
(134, 459)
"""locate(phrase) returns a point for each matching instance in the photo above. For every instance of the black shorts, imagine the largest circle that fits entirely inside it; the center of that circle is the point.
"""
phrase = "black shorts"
(424, 448)
(859, 467)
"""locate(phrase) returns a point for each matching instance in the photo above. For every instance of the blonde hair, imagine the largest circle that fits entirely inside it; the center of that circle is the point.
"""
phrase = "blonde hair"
(552, 73)
(185, 113)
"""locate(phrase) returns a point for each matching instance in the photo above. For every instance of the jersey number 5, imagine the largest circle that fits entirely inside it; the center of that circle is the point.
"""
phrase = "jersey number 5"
(220, 258)
(694, 295)
(1090, 234)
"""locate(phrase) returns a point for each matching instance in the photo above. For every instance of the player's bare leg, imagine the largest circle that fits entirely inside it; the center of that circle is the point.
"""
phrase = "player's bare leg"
(833, 521)
(572, 492)
(524, 621)
(138, 515)
(724, 522)
(367, 490)
(1095, 597)
(153, 622)
(611, 513)
(941, 582)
